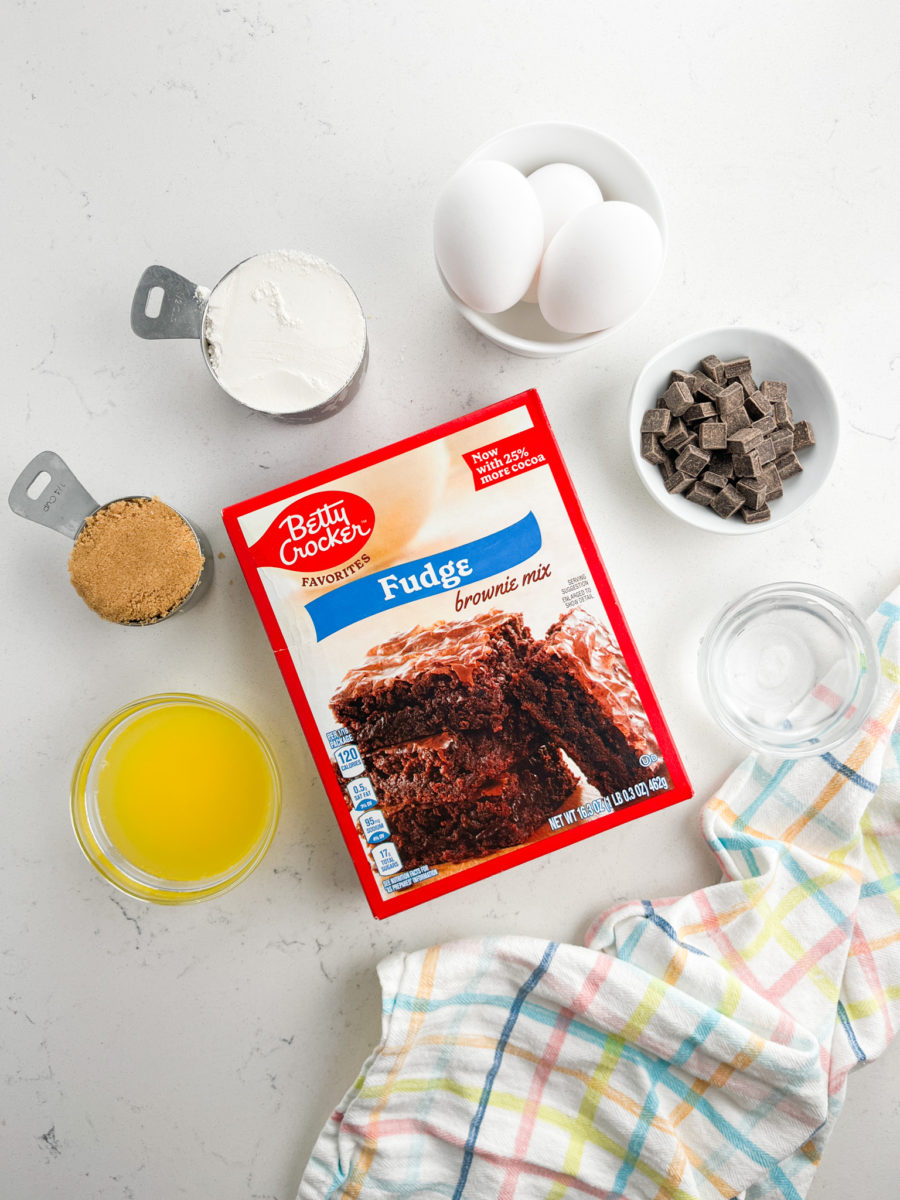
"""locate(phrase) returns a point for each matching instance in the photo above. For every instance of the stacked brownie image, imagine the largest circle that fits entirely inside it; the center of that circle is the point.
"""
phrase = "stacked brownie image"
(461, 726)
(577, 687)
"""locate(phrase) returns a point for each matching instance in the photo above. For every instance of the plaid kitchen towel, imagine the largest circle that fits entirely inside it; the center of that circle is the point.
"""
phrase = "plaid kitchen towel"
(695, 1047)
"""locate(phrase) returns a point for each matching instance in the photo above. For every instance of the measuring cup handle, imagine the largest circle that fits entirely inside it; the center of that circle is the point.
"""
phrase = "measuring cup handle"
(62, 503)
(180, 313)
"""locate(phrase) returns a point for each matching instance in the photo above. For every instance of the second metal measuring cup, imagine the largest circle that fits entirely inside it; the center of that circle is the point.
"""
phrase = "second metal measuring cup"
(63, 504)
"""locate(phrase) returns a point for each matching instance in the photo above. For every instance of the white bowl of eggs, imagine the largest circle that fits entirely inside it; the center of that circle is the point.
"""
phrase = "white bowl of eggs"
(549, 238)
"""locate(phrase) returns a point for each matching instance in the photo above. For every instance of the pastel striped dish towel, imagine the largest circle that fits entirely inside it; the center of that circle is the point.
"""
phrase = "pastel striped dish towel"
(694, 1048)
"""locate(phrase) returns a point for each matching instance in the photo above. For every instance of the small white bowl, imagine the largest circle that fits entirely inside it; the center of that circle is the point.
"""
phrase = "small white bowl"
(522, 329)
(771, 357)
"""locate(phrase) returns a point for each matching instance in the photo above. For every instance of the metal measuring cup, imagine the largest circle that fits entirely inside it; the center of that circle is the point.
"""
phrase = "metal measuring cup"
(182, 314)
(64, 505)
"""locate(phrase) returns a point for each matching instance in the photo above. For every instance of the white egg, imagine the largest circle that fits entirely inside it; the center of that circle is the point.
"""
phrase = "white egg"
(488, 235)
(600, 268)
(562, 190)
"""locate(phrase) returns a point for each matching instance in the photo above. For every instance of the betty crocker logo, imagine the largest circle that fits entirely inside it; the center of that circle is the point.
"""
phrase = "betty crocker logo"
(317, 532)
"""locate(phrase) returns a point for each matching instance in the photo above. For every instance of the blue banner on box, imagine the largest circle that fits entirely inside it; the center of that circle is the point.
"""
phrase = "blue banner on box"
(416, 580)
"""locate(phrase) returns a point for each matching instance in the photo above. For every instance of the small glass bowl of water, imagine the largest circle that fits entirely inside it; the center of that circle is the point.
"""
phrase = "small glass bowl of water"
(789, 669)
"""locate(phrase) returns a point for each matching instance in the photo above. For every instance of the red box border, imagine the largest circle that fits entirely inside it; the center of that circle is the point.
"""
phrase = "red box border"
(420, 893)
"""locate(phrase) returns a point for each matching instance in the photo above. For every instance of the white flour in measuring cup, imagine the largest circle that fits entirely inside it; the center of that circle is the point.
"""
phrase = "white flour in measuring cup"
(283, 332)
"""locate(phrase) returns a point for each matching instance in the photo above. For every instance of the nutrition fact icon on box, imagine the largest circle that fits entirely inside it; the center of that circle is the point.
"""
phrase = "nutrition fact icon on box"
(386, 859)
(362, 795)
(456, 654)
(349, 761)
(373, 827)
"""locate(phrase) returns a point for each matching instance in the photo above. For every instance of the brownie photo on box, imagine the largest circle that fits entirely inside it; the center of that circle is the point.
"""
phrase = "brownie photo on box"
(462, 727)
(459, 769)
(577, 687)
(466, 816)
(449, 766)
(451, 675)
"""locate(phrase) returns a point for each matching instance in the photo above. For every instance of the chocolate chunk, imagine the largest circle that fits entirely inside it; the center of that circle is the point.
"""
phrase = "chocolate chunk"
(712, 366)
(730, 398)
(735, 367)
(678, 482)
(756, 516)
(692, 460)
(743, 440)
(803, 436)
(714, 480)
(735, 419)
(766, 451)
(757, 406)
(701, 411)
(701, 493)
(772, 480)
(788, 465)
(651, 449)
(727, 502)
(678, 398)
(784, 417)
(783, 441)
(686, 377)
(665, 468)
(656, 420)
(753, 491)
(677, 437)
(708, 388)
(748, 383)
(747, 466)
(765, 424)
(711, 435)
(774, 389)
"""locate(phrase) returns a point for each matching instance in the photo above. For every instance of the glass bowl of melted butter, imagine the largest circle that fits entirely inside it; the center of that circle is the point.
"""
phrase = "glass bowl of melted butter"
(176, 798)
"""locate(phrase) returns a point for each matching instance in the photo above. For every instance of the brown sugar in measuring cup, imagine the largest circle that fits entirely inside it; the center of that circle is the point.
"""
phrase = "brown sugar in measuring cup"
(135, 561)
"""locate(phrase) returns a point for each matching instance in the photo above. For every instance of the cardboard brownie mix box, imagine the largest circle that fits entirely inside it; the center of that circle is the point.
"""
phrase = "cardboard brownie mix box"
(455, 652)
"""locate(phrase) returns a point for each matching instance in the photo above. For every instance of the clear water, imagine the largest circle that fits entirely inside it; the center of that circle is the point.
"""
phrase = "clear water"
(769, 670)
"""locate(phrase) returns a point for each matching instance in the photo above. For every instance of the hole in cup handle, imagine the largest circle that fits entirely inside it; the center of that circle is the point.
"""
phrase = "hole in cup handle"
(61, 504)
(155, 298)
(166, 305)
(38, 486)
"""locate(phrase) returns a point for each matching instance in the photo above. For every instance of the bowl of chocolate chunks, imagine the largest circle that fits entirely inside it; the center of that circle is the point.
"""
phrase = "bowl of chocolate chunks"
(733, 430)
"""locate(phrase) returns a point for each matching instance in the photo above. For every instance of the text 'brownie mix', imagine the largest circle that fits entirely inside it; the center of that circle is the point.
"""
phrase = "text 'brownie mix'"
(462, 671)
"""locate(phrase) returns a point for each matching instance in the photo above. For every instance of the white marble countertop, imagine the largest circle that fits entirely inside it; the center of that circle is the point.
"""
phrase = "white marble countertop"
(196, 1052)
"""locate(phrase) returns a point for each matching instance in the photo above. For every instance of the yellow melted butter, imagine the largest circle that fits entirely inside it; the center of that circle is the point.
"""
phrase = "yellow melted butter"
(184, 793)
